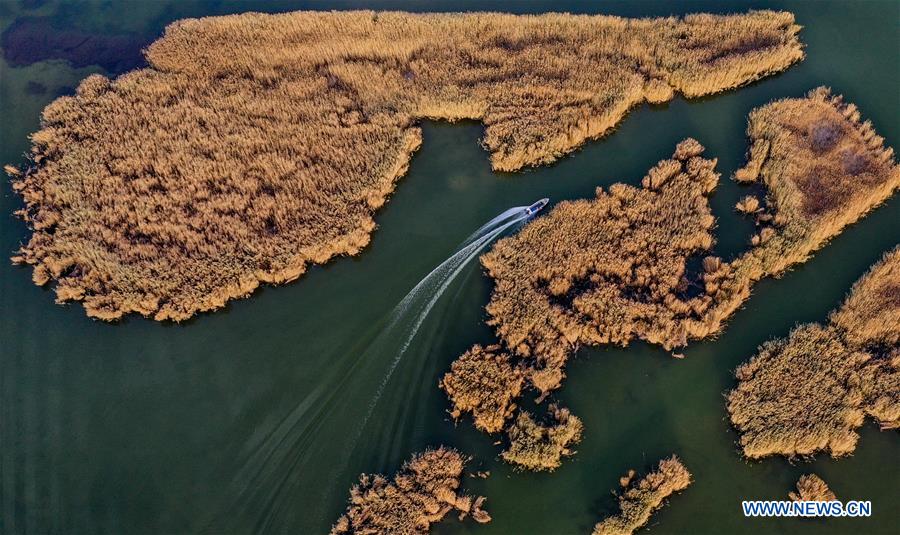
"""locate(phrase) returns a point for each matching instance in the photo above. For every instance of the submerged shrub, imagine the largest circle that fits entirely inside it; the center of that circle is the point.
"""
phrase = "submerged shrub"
(256, 145)
(541, 446)
(640, 499)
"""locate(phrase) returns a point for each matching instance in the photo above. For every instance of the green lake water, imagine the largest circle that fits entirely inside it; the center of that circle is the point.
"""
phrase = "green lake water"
(250, 419)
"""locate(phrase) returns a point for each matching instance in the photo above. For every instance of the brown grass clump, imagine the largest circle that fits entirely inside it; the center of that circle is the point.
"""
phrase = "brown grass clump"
(811, 391)
(608, 270)
(811, 488)
(485, 383)
(422, 492)
(645, 496)
(256, 145)
(536, 446)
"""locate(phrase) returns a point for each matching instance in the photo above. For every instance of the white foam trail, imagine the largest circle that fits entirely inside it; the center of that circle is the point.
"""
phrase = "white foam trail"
(443, 275)
(515, 210)
(277, 454)
(463, 255)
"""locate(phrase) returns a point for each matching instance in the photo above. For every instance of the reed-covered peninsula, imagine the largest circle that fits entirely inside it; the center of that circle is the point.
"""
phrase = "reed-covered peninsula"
(607, 270)
(641, 498)
(421, 493)
(811, 391)
(822, 168)
(254, 146)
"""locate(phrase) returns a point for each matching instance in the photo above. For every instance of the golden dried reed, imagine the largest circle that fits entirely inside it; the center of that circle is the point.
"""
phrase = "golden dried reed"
(645, 496)
(422, 492)
(621, 266)
(541, 446)
(811, 487)
(810, 392)
(607, 270)
(256, 145)
(822, 169)
(482, 381)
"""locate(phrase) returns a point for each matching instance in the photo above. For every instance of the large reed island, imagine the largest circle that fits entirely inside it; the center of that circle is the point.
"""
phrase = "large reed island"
(811, 391)
(422, 492)
(635, 263)
(254, 146)
(607, 270)
(643, 497)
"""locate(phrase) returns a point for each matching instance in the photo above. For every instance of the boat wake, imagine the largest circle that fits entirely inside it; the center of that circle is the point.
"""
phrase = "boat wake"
(434, 285)
(325, 418)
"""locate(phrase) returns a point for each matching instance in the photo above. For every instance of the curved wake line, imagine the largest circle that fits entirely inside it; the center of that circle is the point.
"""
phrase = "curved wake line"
(292, 435)
(441, 276)
(445, 273)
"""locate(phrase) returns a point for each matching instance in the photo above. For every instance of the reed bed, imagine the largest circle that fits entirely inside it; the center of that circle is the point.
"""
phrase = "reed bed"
(811, 391)
(640, 499)
(607, 270)
(634, 263)
(485, 383)
(822, 168)
(421, 493)
(811, 487)
(254, 145)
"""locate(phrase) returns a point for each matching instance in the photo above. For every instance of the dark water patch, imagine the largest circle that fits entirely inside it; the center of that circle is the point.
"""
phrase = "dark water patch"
(64, 90)
(33, 39)
(32, 4)
(35, 88)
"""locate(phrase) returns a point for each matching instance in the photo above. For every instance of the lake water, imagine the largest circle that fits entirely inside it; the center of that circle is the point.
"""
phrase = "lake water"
(250, 419)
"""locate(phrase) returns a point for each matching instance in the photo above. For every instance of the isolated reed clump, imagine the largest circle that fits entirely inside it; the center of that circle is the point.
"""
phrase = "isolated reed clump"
(484, 382)
(541, 445)
(255, 145)
(641, 498)
(609, 270)
(810, 392)
(422, 492)
(811, 488)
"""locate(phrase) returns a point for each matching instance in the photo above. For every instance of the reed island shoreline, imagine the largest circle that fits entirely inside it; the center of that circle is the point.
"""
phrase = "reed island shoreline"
(254, 146)
(810, 392)
(635, 263)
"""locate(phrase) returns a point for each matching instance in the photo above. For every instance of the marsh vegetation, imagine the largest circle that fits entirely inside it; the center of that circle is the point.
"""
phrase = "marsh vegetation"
(484, 382)
(636, 263)
(254, 146)
(421, 493)
(607, 270)
(822, 168)
(811, 391)
(536, 445)
(811, 487)
(640, 498)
